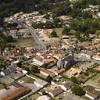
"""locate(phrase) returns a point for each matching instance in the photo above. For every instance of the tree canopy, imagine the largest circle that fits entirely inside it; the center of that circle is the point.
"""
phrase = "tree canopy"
(84, 27)
(78, 91)
(53, 34)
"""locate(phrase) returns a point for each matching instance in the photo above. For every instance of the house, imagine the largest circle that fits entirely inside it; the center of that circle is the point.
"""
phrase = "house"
(16, 75)
(28, 54)
(31, 82)
(8, 75)
(24, 33)
(44, 97)
(9, 70)
(16, 94)
(96, 57)
(91, 92)
(86, 54)
(97, 68)
(38, 60)
(68, 61)
(49, 63)
(6, 80)
(54, 91)
(69, 96)
(91, 95)
(57, 55)
(94, 46)
(47, 73)
(13, 33)
(59, 71)
(74, 71)
(66, 85)
(50, 60)
(59, 63)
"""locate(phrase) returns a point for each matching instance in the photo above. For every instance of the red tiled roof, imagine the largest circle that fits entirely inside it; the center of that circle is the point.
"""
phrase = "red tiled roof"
(91, 94)
(56, 91)
(48, 72)
(17, 93)
(60, 71)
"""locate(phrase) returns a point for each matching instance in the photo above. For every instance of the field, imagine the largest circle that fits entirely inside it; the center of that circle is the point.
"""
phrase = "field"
(1, 86)
(95, 81)
(58, 30)
(25, 42)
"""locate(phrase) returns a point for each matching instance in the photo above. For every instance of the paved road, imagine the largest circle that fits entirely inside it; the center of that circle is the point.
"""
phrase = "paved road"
(39, 44)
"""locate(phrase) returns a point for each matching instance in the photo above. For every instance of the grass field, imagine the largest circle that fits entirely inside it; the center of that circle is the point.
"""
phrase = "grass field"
(59, 31)
(1, 86)
(25, 42)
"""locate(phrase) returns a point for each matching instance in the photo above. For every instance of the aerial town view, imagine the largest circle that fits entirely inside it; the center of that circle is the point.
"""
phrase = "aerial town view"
(49, 49)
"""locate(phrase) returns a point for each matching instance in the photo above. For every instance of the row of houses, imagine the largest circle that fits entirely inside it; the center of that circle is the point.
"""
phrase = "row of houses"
(22, 32)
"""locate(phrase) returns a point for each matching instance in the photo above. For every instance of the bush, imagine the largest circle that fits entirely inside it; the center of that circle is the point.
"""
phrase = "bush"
(10, 39)
(78, 91)
(54, 34)
(74, 79)
(34, 69)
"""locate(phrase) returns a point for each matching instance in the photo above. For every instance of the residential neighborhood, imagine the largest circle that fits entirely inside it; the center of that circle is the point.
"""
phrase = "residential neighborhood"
(51, 51)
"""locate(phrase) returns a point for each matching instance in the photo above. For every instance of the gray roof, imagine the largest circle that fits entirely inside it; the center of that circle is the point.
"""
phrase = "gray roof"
(16, 75)
(9, 70)
(69, 59)
(6, 80)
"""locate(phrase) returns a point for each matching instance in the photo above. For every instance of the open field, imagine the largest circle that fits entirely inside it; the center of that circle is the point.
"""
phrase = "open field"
(59, 31)
(95, 81)
(1, 86)
(25, 42)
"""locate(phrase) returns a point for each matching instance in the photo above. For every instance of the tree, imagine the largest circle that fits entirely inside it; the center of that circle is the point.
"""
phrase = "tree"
(77, 90)
(4, 42)
(3, 64)
(47, 16)
(34, 69)
(84, 27)
(3, 45)
(57, 22)
(19, 64)
(11, 25)
(86, 14)
(66, 30)
(10, 39)
(61, 9)
(11, 46)
(49, 79)
(74, 79)
(54, 34)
